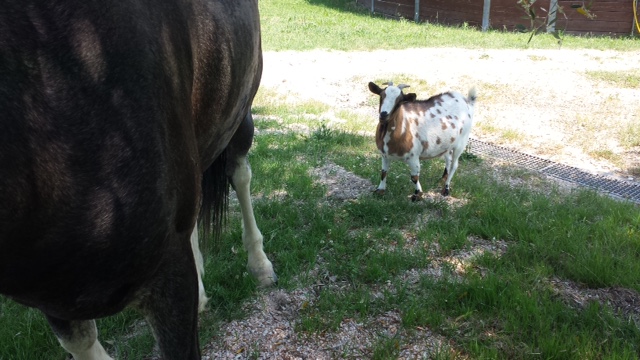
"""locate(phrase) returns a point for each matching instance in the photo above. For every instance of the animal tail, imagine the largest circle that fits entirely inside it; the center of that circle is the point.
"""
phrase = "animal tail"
(472, 95)
(215, 199)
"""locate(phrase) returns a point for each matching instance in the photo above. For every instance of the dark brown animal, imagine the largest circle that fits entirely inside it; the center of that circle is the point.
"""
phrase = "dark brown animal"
(110, 114)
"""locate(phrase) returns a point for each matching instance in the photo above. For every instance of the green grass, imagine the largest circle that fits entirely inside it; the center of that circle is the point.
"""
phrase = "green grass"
(623, 79)
(342, 25)
(506, 311)
(502, 307)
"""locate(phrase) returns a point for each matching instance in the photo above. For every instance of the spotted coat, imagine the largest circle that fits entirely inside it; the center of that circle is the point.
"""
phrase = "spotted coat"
(412, 130)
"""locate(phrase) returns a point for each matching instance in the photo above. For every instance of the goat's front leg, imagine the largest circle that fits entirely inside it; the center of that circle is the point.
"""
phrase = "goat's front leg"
(383, 176)
(414, 167)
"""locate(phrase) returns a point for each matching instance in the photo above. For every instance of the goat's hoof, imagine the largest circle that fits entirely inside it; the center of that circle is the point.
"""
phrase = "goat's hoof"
(445, 191)
(379, 191)
(416, 197)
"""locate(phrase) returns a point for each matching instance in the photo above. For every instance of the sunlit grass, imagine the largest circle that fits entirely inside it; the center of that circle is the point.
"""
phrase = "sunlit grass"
(623, 79)
(342, 25)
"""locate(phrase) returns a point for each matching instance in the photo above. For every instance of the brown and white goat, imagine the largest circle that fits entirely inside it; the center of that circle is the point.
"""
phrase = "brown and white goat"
(411, 130)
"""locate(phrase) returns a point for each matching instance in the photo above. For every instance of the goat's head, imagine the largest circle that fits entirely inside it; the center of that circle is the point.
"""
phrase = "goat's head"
(390, 98)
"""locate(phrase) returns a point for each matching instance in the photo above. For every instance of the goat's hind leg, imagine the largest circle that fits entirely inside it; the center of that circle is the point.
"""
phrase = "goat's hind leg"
(447, 166)
(79, 338)
(452, 165)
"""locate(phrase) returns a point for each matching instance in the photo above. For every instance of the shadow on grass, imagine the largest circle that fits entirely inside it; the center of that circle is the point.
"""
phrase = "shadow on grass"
(341, 5)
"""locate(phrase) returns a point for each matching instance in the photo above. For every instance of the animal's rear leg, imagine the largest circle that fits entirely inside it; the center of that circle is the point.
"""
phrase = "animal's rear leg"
(447, 166)
(197, 256)
(239, 171)
(170, 305)
(452, 169)
(252, 239)
(79, 338)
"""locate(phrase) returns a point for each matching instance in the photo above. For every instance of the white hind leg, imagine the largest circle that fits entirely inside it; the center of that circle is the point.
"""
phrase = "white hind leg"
(258, 263)
(79, 338)
(197, 256)
(452, 164)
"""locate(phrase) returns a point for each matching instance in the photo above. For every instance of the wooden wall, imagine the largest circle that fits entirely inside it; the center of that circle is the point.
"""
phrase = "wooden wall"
(613, 17)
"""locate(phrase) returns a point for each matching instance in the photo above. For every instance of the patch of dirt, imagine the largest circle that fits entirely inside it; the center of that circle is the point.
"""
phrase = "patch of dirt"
(624, 302)
(269, 333)
(341, 184)
(544, 96)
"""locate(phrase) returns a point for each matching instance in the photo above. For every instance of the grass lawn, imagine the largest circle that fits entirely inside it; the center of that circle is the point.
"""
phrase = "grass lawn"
(494, 306)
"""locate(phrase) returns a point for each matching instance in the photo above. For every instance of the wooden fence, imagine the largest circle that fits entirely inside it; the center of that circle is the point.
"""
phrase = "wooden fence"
(612, 17)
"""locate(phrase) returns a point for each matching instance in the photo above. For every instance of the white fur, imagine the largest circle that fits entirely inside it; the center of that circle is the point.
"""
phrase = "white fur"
(258, 263)
(197, 256)
(392, 93)
(451, 110)
(83, 343)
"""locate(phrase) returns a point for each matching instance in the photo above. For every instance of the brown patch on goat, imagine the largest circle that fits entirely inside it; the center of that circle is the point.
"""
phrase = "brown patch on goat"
(453, 125)
(380, 132)
(414, 179)
(461, 130)
(383, 175)
(432, 115)
(425, 145)
(453, 139)
(400, 143)
(438, 141)
(444, 124)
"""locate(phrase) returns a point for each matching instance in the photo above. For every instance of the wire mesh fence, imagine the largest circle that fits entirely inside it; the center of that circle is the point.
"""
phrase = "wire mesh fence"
(614, 187)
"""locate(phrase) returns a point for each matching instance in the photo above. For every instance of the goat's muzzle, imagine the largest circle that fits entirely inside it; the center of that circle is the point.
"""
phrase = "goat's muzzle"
(384, 116)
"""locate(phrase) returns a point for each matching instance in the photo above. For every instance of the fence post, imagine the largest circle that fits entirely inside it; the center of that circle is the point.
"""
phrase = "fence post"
(416, 15)
(553, 16)
(373, 7)
(485, 15)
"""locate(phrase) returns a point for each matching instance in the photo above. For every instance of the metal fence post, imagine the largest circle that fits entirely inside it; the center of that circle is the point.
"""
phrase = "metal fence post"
(553, 16)
(416, 9)
(485, 15)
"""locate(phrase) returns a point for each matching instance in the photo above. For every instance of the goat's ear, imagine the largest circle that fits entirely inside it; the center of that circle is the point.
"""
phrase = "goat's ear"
(410, 97)
(374, 88)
